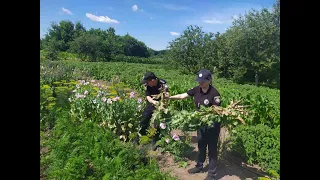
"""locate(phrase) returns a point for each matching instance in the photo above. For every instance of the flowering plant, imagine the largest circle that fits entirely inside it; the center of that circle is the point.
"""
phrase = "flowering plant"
(121, 114)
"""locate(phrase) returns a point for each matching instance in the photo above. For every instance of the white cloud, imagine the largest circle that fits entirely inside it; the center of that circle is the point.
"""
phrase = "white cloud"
(212, 21)
(174, 33)
(67, 11)
(134, 7)
(103, 19)
(151, 18)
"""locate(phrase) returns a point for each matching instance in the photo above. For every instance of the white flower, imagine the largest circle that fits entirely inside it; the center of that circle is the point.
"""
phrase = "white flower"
(86, 92)
(69, 99)
(103, 99)
(167, 140)
(132, 95)
(78, 86)
(74, 91)
(94, 101)
(175, 137)
(139, 107)
(109, 101)
(116, 98)
(162, 125)
(139, 100)
(86, 83)
(93, 81)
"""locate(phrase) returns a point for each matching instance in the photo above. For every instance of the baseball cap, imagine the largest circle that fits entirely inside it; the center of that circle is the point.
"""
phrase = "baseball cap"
(204, 75)
(148, 76)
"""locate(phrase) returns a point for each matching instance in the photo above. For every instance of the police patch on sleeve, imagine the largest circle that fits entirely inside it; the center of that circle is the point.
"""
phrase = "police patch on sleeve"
(217, 99)
(206, 101)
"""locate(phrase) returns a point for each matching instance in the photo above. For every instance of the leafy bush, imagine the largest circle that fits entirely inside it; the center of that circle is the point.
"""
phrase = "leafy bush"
(133, 59)
(87, 151)
(258, 144)
(120, 114)
(47, 106)
(51, 71)
(53, 99)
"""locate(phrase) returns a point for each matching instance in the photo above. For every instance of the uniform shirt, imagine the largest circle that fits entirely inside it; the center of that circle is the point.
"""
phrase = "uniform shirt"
(156, 89)
(211, 97)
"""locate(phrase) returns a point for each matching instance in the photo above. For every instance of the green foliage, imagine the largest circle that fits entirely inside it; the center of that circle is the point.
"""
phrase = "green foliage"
(52, 47)
(262, 111)
(62, 33)
(133, 47)
(88, 46)
(230, 116)
(67, 56)
(119, 114)
(249, 51)
(190, 50)
(51, 71)
(264, 105)
(258, 144)
(47, 107)
(62, 91)
(87, 151)
(133, 59)
(264, 102)
(53, 99)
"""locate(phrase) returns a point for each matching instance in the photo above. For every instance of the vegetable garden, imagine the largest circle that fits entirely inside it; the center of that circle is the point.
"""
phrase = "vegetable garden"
(90, 113)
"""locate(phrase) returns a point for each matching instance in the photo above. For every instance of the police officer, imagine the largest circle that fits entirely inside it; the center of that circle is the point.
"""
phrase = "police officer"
(153, 85)
(205, 95)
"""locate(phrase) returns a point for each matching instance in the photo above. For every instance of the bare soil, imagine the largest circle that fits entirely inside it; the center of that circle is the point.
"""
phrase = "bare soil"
(230, 167)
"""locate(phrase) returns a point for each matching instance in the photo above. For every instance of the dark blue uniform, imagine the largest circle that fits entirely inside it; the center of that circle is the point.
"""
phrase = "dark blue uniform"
(147, 113)
(207, 136)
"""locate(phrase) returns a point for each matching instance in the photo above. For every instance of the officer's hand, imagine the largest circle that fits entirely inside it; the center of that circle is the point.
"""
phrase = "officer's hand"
(166, 95)
(155, 103)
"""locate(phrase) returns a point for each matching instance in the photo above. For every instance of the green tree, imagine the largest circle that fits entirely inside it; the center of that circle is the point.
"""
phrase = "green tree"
(133, 47)
(88, 47)
(190, 51)
(258, 41)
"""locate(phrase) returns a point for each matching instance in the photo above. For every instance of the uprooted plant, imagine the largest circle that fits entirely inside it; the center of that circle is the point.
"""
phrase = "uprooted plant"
(169, 119)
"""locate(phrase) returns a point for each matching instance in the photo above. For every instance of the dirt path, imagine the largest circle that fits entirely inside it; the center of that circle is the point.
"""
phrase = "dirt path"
(227, 169)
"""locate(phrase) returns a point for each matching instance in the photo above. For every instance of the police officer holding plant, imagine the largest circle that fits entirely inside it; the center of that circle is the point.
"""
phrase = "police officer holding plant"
(205, 95)
(153, 86)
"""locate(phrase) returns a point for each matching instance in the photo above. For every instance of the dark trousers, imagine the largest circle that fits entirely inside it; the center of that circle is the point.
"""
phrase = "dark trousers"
(208, 136)
(145, 122)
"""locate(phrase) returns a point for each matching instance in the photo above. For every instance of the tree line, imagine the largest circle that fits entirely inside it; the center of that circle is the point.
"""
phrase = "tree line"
(248, 52)
(92, 44)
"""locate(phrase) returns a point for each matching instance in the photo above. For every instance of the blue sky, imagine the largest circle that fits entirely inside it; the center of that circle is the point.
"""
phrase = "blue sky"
(154, 22)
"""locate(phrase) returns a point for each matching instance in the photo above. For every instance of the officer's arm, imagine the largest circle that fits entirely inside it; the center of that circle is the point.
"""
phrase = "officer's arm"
(179, 96)
(150, 99)
(189, 93)
(148, 96)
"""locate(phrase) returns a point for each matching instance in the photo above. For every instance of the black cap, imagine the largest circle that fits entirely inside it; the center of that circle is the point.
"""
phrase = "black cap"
(204, 75)
(148, 76)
